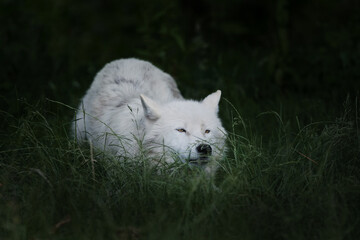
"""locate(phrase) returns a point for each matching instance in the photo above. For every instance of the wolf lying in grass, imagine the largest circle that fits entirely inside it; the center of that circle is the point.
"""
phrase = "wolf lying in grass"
(132, 107)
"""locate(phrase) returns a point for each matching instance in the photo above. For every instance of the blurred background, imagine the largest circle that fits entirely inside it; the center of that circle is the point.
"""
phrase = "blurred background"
(301, 58)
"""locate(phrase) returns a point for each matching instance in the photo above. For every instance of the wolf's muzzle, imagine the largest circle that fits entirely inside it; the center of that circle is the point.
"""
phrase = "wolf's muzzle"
(204, 149)
(201, 161)
(204, 152)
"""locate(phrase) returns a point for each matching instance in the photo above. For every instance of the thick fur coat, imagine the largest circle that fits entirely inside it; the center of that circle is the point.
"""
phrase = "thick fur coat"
(132, 107)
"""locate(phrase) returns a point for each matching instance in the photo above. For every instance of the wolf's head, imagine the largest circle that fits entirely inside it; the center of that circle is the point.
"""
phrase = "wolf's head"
(190, 129)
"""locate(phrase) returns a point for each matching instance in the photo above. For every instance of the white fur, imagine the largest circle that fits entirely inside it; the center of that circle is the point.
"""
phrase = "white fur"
(133, 107)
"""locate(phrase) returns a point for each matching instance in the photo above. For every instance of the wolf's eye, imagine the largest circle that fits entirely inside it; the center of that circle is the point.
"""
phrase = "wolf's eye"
(207, 131)
(181, 130)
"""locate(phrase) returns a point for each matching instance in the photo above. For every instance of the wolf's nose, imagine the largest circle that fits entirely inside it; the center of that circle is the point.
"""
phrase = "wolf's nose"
(204, 149)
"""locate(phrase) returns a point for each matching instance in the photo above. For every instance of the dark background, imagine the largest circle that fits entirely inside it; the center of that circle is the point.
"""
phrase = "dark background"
(290, 68)
(299, 56)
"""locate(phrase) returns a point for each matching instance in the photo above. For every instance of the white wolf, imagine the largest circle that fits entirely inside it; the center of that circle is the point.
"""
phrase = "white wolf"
(132, 107)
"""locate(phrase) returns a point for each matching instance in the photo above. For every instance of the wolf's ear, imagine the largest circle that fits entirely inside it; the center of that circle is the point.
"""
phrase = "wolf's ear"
(213, 100)
(151, 109)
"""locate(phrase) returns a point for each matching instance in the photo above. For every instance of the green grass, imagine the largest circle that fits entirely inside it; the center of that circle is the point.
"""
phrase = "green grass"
(296, 184)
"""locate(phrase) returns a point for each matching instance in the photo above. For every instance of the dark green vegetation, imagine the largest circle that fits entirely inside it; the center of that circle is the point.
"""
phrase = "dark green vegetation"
(289, 70)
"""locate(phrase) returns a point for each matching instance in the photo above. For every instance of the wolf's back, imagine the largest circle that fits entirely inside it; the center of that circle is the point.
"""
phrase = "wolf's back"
(124, 79)
(118, 84)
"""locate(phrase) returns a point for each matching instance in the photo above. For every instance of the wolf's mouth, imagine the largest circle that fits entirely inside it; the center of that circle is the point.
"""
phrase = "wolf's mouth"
(199, 161)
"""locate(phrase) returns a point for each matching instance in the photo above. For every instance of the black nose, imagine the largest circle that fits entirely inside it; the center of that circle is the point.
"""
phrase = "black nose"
(204, 149)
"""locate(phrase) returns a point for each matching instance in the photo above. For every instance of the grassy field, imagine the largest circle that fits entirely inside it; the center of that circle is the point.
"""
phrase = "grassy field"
(290, 83)
(301, 184)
